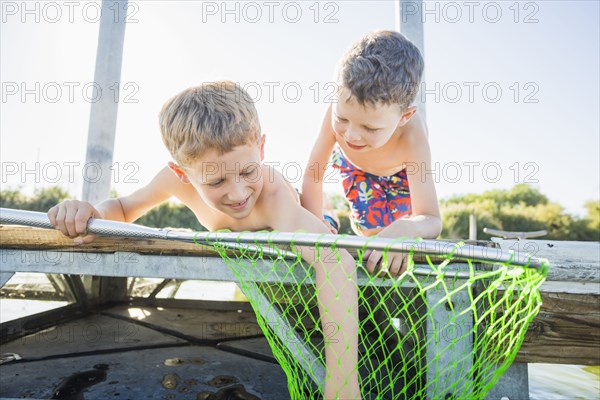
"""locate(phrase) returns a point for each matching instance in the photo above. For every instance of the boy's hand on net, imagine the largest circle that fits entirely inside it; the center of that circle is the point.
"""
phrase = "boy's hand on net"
(394, 265)
(71, 218)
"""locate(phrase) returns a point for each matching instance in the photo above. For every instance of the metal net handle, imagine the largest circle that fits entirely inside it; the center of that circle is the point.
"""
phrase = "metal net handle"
(423, 247)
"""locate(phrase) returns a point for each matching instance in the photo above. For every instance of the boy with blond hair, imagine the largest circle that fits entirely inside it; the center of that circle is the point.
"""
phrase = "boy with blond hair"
(374, 136)
(213, 133)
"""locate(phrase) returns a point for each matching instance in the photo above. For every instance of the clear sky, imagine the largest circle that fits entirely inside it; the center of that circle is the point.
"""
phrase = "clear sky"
(512, 88)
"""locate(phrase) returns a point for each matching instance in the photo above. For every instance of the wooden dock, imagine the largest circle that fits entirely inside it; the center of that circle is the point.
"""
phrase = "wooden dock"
(565, 330)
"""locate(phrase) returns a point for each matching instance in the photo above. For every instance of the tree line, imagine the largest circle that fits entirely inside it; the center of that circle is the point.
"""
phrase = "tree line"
(522, 208)
(166, 215)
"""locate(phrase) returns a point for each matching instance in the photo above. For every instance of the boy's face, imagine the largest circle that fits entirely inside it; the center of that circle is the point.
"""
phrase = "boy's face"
(365, 127)
(230, 183)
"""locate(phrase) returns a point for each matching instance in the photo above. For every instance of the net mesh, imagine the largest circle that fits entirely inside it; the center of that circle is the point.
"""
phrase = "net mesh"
(441, 330)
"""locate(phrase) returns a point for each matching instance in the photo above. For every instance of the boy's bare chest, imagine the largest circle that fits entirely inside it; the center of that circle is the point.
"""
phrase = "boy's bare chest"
(382, 161)
(214, 220)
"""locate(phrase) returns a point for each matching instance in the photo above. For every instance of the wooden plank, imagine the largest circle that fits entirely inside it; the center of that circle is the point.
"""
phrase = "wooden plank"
(565, 331)
(28, 238)
(569, 261)
(570, 287)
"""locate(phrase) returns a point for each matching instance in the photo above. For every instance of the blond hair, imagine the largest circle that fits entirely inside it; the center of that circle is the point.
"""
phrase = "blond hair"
(215, 115)
(382, 67)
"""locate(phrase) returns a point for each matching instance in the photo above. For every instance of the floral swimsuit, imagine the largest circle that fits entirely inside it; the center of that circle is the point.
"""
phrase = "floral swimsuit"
(375, 201)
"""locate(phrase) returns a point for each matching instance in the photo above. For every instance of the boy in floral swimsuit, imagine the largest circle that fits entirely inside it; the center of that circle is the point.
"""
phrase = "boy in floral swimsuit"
(379, 143)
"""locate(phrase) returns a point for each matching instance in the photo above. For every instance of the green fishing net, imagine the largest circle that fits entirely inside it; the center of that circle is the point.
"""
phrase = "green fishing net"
(445, 329)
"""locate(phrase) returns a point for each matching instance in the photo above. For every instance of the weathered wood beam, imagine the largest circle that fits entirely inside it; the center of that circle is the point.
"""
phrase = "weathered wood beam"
(574, 266)
(565, 331)
(28, 238)
(569, 261)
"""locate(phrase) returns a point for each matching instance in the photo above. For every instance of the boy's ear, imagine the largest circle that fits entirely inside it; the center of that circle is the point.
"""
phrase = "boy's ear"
(262, 147)
(177, 170)
(407, 115)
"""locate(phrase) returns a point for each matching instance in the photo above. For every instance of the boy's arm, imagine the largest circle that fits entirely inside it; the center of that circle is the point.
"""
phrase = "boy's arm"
(160, 189)
(312, 184)
(286, 215)
(71, 216)
(426, 221)
(337, 296)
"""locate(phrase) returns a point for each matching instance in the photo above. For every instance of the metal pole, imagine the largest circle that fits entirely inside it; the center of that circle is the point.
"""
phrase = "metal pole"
(103, 114)
(472, 227)
(102, 128)
(409, 22)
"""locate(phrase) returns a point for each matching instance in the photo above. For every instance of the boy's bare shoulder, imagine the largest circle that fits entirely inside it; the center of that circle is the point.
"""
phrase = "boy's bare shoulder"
(415, 138)
(274, 197)
(278, 196)
(281, 209)
(416, 129)
(167, 181)
(276, 187)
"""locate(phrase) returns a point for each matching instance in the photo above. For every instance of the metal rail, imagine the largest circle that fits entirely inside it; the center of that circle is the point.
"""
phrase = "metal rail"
(235, 239)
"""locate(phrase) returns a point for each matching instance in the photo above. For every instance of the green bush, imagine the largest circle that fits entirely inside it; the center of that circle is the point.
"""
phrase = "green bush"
(521, 209)
(166, 215)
